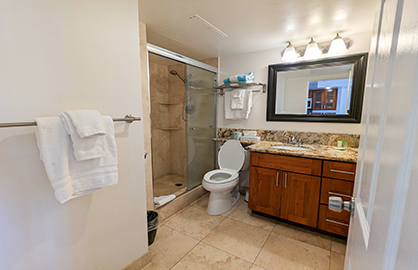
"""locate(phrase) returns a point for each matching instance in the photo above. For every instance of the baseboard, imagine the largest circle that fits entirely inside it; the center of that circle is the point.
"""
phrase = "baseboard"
(140, 263)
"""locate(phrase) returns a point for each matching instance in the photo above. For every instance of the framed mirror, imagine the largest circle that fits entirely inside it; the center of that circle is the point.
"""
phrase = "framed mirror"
(325, 90)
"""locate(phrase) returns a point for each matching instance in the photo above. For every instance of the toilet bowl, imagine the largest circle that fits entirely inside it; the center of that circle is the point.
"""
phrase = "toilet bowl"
(223, 183)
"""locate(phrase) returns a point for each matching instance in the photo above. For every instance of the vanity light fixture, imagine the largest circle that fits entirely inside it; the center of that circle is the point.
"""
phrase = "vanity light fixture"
(337, 45)
(289, 53)
(312, 49)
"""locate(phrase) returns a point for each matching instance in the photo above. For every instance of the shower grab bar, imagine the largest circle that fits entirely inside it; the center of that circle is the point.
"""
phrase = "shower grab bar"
(129, 118)
(240, 85)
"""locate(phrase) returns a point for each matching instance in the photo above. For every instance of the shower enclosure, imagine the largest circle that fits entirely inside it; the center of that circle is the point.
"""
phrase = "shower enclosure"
(183, 121)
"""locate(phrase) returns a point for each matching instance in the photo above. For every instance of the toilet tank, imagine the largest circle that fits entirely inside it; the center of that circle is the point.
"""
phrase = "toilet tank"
(246, 165)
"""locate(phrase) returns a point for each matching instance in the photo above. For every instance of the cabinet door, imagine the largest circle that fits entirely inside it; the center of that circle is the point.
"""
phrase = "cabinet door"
(330, 102)
(317, 100)
(265, 191)
(300, 198)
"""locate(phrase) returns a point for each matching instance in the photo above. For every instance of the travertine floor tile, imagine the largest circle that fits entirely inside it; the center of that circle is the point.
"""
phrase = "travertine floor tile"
(237, 238)
(338, 245)
(337, 261)
(194, 222)
(304, 235)
(242, 213)
(168, 247)
(283, 253)
(204, 257)
(203, 204)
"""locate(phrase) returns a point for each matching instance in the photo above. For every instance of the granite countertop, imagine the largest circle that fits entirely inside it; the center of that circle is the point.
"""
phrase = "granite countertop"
(317, 151)
(227, 139)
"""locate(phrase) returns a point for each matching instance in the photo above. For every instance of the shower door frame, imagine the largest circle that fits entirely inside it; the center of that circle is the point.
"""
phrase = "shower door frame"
(192, 62)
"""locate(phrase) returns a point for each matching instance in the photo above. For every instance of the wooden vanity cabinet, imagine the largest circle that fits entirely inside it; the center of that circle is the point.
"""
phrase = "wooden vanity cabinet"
(267, 182)
(300, 196)
(297, 189)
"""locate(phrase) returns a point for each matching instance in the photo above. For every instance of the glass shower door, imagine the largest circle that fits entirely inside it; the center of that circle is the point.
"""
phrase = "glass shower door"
(200, 114)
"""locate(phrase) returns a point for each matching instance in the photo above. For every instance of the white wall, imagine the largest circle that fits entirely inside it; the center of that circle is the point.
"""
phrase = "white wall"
(258, 63)
(57, 56)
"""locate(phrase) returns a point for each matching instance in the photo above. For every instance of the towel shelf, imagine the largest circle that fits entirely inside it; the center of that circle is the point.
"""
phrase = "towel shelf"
(222, 87)
(129, 118)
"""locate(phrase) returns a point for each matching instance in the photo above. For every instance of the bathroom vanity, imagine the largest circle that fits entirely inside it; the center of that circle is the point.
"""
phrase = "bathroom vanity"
(296, 185)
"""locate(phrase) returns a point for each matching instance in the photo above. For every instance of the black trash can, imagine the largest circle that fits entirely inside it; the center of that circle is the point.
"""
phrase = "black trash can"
(152, 221)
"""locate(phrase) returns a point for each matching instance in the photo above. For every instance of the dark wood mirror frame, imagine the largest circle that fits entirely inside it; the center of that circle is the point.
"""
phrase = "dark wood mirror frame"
(357, 92)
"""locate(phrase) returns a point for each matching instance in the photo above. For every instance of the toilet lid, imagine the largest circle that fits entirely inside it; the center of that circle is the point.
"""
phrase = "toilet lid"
(231, 156)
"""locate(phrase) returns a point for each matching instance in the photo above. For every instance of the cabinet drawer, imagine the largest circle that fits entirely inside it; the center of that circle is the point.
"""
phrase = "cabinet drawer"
(334, 187)
(286, 163)
(339, 170)
(333, 222)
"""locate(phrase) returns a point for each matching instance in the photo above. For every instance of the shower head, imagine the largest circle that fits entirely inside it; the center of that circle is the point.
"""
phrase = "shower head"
(175, 73)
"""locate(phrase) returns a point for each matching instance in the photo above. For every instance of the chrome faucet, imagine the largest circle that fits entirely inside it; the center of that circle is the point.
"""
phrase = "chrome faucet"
(294, 140)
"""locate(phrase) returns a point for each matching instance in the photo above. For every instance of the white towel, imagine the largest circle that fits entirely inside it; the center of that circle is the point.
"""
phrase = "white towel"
(237, 100)
(238, 114)
(160, 201)
(89, 147)
(71, 178)
(86, 122)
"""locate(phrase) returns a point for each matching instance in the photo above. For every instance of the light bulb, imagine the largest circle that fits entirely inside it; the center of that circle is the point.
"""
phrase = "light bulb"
(289, 53)
(337, 45)
(312, 49)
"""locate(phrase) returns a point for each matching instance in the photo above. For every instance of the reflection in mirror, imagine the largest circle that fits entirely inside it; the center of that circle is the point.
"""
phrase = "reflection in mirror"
(325, 90)
(315, 91)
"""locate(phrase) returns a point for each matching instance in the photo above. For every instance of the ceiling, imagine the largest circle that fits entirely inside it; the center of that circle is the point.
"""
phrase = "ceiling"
(249, 25)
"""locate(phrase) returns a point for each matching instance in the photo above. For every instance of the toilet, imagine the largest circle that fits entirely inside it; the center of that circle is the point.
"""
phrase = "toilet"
(223, 184)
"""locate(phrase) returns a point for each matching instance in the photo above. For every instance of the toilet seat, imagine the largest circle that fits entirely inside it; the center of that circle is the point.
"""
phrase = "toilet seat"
(221, 176)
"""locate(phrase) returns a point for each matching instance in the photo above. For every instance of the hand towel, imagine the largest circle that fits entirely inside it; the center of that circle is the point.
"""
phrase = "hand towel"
(86, 122)
(89, 147)
(238, 114)
(246, 78)
(237, 100)
(71, 178)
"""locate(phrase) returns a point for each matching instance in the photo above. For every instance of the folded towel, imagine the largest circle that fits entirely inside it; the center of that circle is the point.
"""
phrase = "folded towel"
(238, 114)
(246, 78)
(84, 148)
(71, 178)
(86, 122)
(160, 201)
(250, 133)
(237, 100)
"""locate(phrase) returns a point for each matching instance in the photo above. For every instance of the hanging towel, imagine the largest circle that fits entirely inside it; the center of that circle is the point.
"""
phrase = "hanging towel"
(238, 114)
(237, 100)
(246, 78)
(88, 147)
(71, 178)
(86, 122)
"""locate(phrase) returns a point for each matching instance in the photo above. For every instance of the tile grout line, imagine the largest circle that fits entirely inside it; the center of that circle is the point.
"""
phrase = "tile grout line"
(258, 254)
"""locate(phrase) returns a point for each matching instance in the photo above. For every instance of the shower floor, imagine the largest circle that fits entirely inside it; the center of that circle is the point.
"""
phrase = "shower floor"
(166, 185)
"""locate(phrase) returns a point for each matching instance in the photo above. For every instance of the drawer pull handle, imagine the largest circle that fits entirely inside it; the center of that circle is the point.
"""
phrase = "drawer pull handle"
(285, 180)
(336, 222)
(277, 179)
(338, 194)
(338, 171)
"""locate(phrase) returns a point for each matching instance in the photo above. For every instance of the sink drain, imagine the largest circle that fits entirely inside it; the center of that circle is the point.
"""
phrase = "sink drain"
(178, 185)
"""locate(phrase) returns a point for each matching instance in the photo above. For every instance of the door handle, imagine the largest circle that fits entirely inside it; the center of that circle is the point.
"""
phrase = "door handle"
(285, 180)
(337, 204)
(277, 179)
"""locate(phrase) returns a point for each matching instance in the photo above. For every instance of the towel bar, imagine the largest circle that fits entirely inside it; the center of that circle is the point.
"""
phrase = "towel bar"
(129, 118)
(240, 85)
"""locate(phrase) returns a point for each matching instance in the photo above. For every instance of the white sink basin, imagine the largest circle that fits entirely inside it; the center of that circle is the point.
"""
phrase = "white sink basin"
(287, 147)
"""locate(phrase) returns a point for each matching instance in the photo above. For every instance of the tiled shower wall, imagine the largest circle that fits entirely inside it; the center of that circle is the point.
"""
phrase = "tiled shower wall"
(159, 93)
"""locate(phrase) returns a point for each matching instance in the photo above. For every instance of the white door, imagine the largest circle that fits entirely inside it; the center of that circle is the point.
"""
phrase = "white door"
(384, 229)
